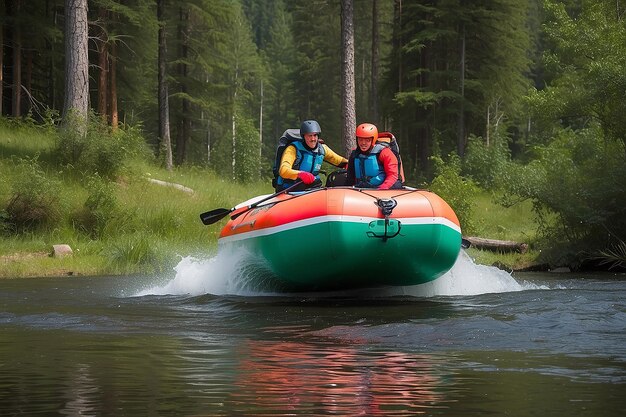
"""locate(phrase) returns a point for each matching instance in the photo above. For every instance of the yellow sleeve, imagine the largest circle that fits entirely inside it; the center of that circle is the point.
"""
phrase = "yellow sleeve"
(286, 163)
(333, 158)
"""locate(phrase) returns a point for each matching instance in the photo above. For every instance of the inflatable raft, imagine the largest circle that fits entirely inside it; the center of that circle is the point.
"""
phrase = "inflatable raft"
(344, 237)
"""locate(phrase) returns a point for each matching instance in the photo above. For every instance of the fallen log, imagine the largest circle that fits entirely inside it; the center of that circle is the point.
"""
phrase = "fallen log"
(497, 245)
(171, 184)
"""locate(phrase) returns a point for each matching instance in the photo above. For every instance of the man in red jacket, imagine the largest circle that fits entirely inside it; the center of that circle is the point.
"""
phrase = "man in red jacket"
(373, 164)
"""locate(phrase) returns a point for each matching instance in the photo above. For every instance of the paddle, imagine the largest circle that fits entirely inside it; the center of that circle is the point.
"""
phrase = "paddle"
(218, 214)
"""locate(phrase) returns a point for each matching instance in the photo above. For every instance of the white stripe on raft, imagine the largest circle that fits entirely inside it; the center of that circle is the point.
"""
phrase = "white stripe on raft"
(336, 218)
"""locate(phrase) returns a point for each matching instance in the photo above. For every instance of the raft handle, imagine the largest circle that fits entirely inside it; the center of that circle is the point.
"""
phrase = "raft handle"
(386, 205)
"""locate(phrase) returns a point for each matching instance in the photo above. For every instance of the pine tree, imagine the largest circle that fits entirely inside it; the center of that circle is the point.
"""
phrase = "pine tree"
(348, 111)
(317, 76)
(458, 67)
(280, 61)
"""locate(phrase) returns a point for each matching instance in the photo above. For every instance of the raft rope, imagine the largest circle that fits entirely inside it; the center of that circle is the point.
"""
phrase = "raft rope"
(386, 207)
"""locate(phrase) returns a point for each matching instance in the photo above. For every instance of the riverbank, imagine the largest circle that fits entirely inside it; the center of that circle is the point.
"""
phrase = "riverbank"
(46, 264)
(144, 218)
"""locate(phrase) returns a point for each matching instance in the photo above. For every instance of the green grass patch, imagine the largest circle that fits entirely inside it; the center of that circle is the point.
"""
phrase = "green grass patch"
(494, 221)
(129, 225)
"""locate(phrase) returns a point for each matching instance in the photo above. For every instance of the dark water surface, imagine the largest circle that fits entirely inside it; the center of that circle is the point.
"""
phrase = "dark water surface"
(534, 344)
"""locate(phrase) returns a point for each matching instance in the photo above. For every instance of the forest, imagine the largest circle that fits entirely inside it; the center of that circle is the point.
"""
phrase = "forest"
(523, 99)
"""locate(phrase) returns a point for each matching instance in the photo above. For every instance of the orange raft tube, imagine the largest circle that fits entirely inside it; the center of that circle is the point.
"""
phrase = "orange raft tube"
(345, 237)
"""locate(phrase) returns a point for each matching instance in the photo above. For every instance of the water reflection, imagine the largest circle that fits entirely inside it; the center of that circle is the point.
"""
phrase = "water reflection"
(80, 391)
(286, 377)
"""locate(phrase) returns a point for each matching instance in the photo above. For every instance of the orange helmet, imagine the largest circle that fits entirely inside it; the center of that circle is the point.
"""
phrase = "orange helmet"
(367, 130)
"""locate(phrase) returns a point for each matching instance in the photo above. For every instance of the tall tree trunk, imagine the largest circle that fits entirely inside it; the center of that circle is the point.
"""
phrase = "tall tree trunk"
(208, 141)
(397, 27)
(1, 60)
(234, 143)
(423, 132)
(76, 65)
(164, 107)
(375, 65)
(348, 111)
(17, 62)
(461, 116)
(261, 123)
(488, 125)
(28, 80)
(234, 123)
(103, 59)
(183, 134)
(52, 96)
(113, 86)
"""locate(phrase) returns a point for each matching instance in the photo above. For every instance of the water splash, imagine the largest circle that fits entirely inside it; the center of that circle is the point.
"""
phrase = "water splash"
(225, 273)
(469, 278)
(234, 273)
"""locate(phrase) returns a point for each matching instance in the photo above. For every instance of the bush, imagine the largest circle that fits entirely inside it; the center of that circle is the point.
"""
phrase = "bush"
(485, 164)
(99, 208)
(34, 202)
(140, 251)
(247, 151)
(100, 151)
(457, 191)
(579, 177)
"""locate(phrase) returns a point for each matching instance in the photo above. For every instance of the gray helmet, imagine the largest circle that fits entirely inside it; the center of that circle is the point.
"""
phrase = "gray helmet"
(310, 126)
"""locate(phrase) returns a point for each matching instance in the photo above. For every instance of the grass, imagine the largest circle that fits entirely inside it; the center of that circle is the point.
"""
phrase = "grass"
(514, 223)
(150, 226)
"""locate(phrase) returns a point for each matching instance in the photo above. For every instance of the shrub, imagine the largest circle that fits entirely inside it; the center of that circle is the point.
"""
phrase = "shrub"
(100, 151)
(99, 208)
(247, 151)
(579, 177)
(34, 202)
(485, 164)
(140, 251)
(456, 190)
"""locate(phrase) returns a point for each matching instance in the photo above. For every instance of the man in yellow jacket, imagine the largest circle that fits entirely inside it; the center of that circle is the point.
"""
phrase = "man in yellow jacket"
(302, 159)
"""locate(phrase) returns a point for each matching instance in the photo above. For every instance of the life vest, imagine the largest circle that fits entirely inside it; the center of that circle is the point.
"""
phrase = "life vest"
(306, 160)
(369, 172)
(388, 137)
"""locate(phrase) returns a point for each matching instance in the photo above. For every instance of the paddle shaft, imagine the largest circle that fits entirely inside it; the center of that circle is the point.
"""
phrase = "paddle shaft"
(251, 206)
(216, 215)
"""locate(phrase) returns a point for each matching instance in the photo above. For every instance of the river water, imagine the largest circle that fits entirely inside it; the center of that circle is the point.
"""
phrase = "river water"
(202, 342)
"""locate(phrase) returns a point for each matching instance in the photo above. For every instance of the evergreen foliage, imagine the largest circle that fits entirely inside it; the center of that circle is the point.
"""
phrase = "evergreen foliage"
(247, 157)
(317, 74)
(280, 61)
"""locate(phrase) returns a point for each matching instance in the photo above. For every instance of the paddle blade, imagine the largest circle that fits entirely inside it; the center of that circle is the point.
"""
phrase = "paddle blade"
(213, 216)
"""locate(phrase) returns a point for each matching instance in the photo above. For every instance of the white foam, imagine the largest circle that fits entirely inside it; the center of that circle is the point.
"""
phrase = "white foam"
(233, 273)
(469, 278)
(224, 273)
